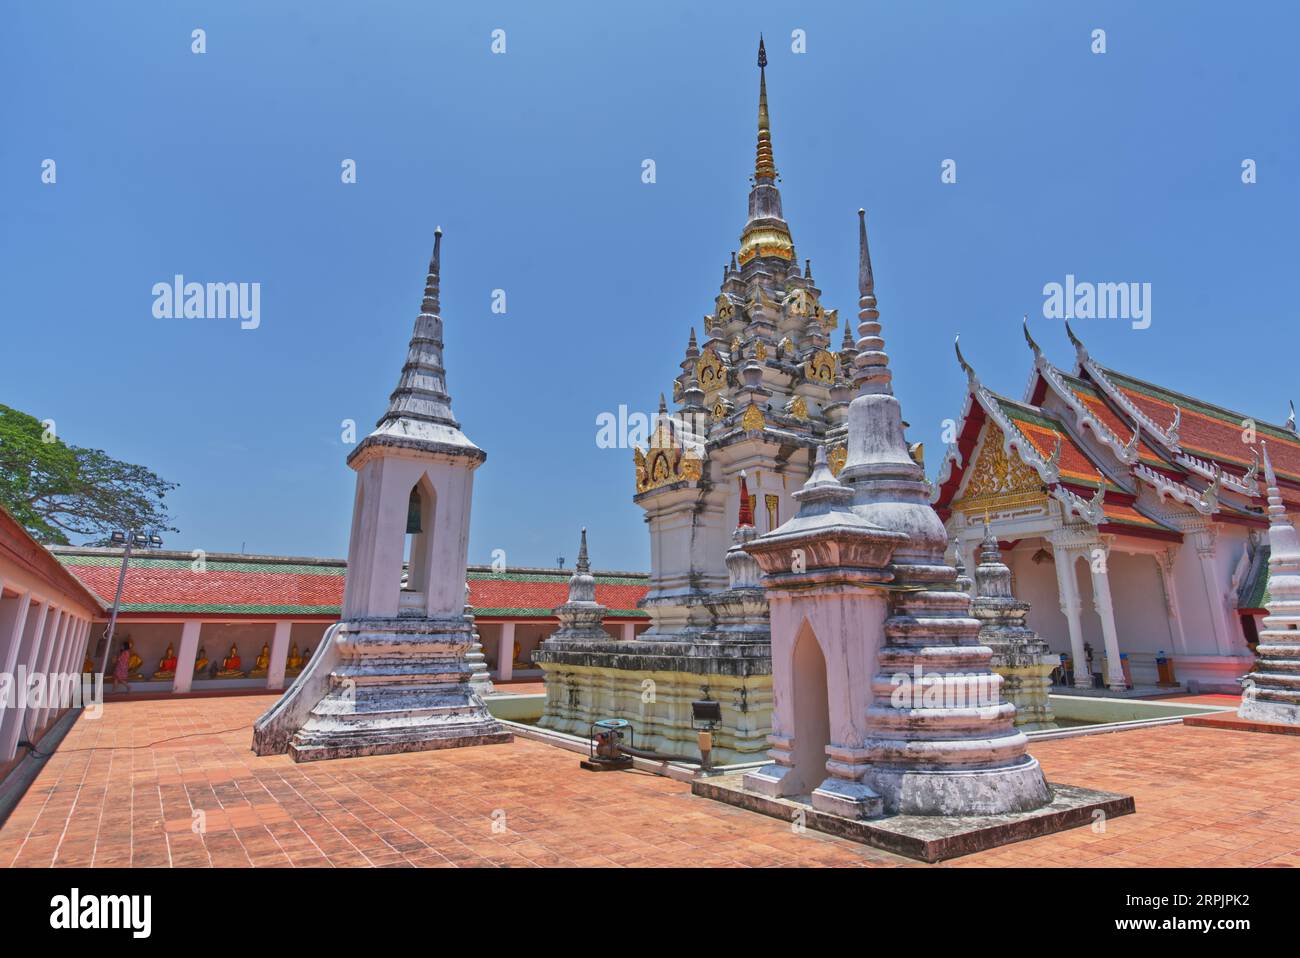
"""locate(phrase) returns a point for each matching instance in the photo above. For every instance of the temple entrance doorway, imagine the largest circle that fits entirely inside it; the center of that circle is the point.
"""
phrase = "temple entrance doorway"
(812, 721)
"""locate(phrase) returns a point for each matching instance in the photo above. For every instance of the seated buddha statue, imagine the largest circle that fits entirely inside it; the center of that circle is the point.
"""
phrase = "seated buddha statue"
(519, 656)
(293, 664)
(230, 666)
(201, 662)
(167, 665)
(261, 664)
(134, 662)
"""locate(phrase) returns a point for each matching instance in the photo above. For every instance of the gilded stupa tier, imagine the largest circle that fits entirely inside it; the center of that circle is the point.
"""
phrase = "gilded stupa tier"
(765, 367)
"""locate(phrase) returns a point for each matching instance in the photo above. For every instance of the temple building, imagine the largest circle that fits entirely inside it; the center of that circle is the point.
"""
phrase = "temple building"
(756, 396)
(1131, 517)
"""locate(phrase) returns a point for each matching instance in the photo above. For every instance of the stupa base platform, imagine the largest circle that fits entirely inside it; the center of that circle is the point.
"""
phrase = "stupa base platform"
(652, 685)
(1241, 723)
(928, 838)
(356, 745)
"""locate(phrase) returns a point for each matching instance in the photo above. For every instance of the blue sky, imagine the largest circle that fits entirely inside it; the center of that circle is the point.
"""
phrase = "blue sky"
(225, 166)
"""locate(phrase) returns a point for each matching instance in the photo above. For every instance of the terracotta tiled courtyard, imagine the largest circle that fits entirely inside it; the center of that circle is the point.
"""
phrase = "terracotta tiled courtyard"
(134, 787)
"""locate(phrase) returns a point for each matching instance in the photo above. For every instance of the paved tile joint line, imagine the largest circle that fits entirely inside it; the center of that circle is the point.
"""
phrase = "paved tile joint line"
(125, 790)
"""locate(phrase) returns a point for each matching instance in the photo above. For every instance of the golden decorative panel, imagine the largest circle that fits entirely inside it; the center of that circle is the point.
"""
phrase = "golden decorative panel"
(752, 419)
(799, 408)
(773, 504)
(710, 371)
(725, 308)
(836, 458)
(664, 466)
(820, 367)
(999, 480)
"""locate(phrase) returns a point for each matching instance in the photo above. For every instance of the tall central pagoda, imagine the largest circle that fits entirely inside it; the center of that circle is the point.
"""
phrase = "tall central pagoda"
(756, 396)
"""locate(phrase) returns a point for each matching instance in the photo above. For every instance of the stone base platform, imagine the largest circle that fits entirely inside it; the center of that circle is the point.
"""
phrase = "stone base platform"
(1233, 721)
(923, 837)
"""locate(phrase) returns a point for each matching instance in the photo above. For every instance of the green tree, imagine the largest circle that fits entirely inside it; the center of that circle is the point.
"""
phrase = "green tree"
(56, 490)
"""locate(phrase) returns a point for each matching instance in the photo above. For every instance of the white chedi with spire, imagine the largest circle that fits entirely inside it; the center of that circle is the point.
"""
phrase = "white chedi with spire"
(398, 676)
(954, 750)
(1272, 691)
(581, 616)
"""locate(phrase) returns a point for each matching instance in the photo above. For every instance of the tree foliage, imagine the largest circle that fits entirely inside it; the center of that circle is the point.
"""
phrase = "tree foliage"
(56, 490)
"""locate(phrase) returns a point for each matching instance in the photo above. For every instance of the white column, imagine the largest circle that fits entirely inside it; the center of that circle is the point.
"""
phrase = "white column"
(1067, 588)
(79, 650)
(186, 656)
(1106, 612)
(279, 655)
(34, 639)
(1165, 566)
(627, 631)
(56, 668)
(1205, 541)
(13, 616)
(506, 652)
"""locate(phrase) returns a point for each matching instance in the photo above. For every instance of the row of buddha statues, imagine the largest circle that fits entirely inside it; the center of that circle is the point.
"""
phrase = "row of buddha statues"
(230, 667)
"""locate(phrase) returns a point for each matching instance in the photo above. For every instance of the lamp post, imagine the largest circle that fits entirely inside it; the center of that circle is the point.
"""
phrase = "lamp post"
(128, 539)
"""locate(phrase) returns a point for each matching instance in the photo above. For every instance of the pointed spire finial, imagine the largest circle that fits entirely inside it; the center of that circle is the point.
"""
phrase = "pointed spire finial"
(583, 565)
(431, 282)
(663, 405)
(1270, 479)
(873, 374)
(1290, 420)
(807, 269)
(764, 165)
(866, 279)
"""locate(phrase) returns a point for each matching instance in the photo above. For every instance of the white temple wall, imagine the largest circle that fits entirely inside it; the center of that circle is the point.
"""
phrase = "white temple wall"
(1198, 610)
(1141, 621)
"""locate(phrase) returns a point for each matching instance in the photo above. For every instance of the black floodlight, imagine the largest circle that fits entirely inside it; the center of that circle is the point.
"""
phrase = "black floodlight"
(118, 537)
(706, 713)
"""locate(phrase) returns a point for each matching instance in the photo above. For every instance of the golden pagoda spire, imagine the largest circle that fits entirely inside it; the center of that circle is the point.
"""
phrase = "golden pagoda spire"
(766, 233)
(764, 165)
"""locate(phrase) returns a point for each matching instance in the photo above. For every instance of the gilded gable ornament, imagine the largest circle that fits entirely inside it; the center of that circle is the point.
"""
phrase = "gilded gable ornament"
(719, 411)
(752, 419)
(710, 371)
(664, 466)
(725, 308)
(799, 408)
(799, 302)
(836, 458)
(820, 367)
(760, 351)
(998, 479)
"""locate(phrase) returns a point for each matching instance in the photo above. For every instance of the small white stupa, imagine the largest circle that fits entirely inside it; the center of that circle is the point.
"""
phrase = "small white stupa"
(1272, 691)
